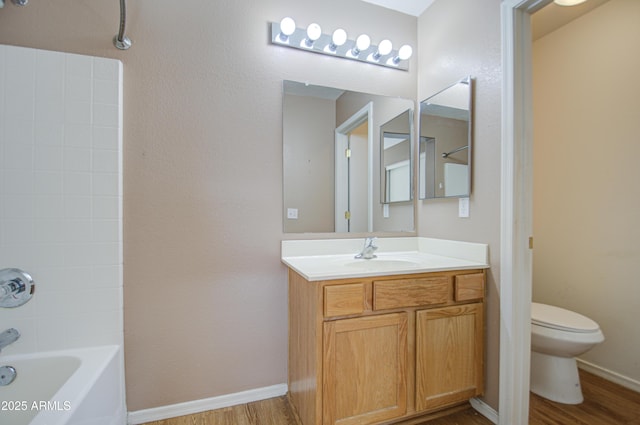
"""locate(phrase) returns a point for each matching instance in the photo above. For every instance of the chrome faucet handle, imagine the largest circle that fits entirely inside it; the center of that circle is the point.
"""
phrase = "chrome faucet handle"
(368, 242)
(368, 249)
(16, 287)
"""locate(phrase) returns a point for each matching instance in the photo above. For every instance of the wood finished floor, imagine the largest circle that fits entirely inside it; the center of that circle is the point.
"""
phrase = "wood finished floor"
(273, 411)
(605, 404)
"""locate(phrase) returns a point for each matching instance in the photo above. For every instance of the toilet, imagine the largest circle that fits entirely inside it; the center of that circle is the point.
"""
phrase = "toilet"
(557, 337)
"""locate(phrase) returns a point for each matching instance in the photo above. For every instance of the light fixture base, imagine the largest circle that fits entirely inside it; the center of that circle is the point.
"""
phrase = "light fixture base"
(296, 41)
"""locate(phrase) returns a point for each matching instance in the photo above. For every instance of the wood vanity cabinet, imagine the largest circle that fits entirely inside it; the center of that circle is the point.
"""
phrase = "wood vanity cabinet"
(364, 375)
(382, 349)
(449, 351)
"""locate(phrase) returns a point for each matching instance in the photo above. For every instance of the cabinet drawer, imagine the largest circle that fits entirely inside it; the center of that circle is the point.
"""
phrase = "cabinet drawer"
(340, 300)
(469, 287)
(410, 292)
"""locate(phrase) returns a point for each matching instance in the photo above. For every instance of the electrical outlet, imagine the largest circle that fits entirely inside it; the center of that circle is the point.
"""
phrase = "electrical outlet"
(292, 213)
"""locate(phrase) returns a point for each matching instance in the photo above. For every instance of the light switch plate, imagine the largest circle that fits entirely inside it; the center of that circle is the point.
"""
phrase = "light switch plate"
(463, 207)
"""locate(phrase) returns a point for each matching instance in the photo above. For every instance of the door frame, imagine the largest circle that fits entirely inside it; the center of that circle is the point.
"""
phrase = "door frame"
(341, 168)
(516, 210)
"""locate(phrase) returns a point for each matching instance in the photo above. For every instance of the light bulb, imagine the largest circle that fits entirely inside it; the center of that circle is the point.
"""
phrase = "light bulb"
(287, 27)
(384, 48)
(313, 33)
(363, 42)
(404, 53)
(568, 2)
(339, 37)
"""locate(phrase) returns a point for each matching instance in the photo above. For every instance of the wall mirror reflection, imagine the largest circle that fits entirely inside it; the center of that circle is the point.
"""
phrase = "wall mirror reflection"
(445, 142)
(332, 161)
(395, 159)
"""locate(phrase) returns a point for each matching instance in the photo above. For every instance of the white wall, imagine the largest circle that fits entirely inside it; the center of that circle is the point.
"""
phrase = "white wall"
(586, 174)
(61, 196)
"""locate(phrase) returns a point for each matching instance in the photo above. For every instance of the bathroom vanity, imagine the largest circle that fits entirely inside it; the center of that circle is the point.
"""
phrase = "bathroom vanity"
(382, 340)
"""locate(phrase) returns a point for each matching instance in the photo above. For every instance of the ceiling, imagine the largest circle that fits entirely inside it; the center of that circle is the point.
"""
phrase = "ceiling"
(546, 20)
(552, 16)
(410, 7)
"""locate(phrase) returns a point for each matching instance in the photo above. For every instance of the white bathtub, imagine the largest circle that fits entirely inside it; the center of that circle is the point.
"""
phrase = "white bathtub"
(73, 387)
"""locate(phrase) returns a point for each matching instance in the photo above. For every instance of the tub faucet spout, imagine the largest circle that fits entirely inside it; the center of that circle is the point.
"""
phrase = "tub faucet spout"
(8, 337)
(368, 249)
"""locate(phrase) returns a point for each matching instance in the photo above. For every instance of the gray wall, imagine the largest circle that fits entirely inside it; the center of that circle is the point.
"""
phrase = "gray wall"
(309, 152)
(456, 39)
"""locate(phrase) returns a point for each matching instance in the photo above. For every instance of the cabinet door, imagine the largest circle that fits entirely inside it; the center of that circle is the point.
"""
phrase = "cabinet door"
(364, 376)
(449, 355)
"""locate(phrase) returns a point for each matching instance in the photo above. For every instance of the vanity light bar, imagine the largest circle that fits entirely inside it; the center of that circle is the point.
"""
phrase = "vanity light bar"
(312, 39)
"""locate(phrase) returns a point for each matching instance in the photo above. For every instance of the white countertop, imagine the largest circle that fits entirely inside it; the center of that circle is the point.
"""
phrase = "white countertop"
(334, 258)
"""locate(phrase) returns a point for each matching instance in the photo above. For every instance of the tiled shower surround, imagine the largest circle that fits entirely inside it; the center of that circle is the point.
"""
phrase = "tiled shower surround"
(61, 196)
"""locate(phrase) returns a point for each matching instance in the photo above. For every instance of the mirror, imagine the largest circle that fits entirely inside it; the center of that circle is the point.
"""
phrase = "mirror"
(332, 160)
(445, 142)
(395, 159)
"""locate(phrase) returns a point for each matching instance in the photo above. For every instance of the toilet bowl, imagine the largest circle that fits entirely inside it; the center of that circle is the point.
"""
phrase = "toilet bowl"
(557, 337)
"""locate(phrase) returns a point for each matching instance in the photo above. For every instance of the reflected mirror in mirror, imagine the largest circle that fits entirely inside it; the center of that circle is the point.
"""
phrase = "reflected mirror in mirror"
(445, 142)
(395, 159)
(332, 161)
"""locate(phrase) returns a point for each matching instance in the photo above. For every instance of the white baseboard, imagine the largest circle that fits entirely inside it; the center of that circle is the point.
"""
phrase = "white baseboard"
(197, 406)
(484, 409)
(610, 375)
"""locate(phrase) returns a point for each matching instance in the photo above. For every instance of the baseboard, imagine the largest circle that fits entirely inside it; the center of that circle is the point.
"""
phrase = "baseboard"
(609, 375)
(488, 412)
(197, 406)
(484, 409)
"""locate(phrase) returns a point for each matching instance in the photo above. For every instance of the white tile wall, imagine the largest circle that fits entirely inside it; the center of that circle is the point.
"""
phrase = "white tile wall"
(61, 196)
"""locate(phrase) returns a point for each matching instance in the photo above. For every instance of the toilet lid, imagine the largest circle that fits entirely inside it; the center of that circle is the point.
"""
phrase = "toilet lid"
(558, 318)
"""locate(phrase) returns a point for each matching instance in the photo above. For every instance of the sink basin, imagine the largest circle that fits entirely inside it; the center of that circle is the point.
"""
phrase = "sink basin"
(380, 264)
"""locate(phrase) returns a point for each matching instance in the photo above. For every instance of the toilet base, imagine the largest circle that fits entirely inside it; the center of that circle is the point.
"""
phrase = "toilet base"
(556, 378)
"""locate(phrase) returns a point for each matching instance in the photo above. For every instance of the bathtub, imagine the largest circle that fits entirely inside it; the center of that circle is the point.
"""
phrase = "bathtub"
(72, 387)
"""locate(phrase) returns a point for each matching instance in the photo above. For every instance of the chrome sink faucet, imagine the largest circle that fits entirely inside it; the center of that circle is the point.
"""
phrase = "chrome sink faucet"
(368, 249)
(8, 337)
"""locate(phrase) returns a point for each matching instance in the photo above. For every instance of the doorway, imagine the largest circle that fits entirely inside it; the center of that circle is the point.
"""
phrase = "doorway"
(516, 210)
(354, 171)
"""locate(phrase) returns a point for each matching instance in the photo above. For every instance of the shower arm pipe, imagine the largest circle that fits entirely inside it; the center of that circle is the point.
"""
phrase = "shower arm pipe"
(446, 154)
(121, 41)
